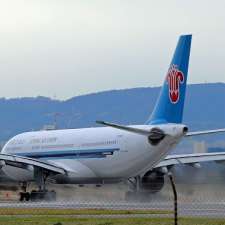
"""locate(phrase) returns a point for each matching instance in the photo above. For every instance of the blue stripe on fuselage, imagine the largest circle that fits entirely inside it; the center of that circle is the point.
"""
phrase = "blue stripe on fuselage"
(78, 154)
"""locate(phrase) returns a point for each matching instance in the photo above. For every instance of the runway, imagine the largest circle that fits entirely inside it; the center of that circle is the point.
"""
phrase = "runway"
(211, 210)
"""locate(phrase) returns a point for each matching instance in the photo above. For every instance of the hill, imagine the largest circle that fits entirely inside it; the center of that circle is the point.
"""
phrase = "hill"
(204, 108)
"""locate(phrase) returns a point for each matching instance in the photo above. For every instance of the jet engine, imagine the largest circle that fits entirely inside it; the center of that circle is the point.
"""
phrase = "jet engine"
(153, 181)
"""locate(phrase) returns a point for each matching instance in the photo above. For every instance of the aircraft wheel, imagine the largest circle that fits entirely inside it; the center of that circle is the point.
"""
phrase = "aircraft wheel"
(21, 196)
(24, 196)
(27, 196)
(43, 196)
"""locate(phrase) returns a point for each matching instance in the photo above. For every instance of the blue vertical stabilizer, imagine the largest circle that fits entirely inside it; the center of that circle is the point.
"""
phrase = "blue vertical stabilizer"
(170, 104)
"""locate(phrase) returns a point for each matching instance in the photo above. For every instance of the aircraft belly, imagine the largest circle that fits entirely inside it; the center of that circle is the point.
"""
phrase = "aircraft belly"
(74, 168)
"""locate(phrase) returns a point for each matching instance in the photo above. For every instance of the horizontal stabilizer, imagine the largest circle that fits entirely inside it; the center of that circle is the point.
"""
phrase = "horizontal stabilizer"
(196, 133)
(126, 128)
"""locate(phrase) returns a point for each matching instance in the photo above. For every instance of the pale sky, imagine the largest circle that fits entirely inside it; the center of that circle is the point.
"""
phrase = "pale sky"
(65, 48)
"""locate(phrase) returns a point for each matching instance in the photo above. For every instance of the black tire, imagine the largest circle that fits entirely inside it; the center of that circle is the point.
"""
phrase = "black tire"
(35, 196)
(27, 196)
(43, 196)
(22, 196)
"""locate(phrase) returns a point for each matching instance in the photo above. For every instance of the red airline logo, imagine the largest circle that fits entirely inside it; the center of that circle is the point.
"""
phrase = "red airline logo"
(174, 78)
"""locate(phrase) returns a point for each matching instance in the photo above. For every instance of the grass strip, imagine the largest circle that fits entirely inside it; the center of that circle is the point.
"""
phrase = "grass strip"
(44, 211)
(51, 220)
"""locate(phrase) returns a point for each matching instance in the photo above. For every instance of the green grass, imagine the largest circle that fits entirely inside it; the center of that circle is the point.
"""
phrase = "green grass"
(51, 220)
(32, 216)
(43, 211)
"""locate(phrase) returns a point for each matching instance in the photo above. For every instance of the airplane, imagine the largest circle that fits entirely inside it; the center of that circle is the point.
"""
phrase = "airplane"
(108, 154)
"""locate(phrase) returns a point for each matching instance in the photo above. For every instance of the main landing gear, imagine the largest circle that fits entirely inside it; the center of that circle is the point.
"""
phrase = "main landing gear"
(42, 194)
(24, 195)
(135, 194)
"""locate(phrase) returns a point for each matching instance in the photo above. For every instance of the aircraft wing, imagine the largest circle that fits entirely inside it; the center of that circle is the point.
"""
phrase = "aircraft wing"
(191, 159)
(25, 162)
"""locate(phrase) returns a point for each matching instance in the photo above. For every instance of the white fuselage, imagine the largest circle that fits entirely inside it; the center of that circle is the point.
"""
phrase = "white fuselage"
(92, 155)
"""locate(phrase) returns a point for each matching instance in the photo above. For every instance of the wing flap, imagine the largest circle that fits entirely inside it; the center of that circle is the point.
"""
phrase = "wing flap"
(22, 162)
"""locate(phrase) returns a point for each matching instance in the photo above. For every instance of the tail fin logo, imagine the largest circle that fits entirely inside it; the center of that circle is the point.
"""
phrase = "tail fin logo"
(174, 78)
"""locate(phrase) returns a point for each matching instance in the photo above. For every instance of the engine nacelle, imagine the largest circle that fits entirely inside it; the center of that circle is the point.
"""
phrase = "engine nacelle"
(153, 181)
